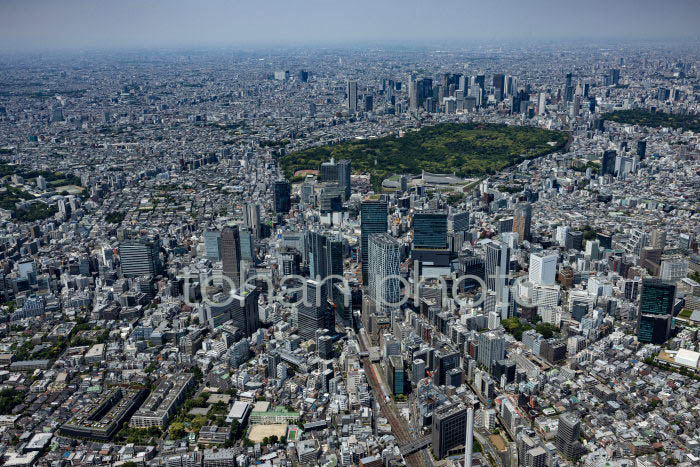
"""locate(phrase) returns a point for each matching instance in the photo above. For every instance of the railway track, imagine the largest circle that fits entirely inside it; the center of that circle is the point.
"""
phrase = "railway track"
(398, 425)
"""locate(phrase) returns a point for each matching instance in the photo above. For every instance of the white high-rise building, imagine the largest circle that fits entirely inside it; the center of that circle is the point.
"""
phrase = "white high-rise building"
(252, 219)
(469, 441)
(593, 249)
(543, 268)
(541, 103)
(491, 349)
(494, 320)
(673, 268)
(638, 239)
(560, 237)
(384, 269)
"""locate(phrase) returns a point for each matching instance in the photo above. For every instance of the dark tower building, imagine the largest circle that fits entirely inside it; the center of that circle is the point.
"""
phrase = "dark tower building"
(352, 96)
(615, 76)
(641, 149)
(231, 255)
(318, 256)
(344, 174)
(244, 311)
(282, 196)
(369, 103)
(430, 230)
(335, 256)
(374, 219)
(605, 240)
(314, 314)
(449, 429)
(499, 83)
(574, 240)
(608, 166)
(497, 265)
(655, 311)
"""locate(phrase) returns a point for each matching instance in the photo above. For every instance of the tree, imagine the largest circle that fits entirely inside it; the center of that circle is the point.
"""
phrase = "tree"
(9, 399)
(236, 430)
(273, 439)
(546, 329)
(198, 423)
(266, 440)
(177, 430)
(467, 149)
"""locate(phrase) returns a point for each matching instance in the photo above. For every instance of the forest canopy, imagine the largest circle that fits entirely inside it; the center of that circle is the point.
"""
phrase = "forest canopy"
(655, 119)
(467, 149)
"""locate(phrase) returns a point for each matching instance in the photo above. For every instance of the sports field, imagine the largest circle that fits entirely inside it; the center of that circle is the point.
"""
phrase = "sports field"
(260, 432)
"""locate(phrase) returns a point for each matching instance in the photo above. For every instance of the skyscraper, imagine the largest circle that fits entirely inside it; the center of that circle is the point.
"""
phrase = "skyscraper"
(340, 173)
(460, 222)
(374, 219)
(497, 268)
(574, 240)
(318, 255)
(543, 268)
(396, 375)
(282, 196)
(384, 262)
(329, 171)
(344, 174)
(568, 433)
(491, 349)
(499, 84)
(655, 311)
(313, 313)
(469, 442)
(247, 245)
(335, 256)
(641, 149)
(140, 257)
(449, 429)
(430, 230)
(615, 76)
(608, 165)
(369, 103)
(480, 81)
(252, 219)
(212, 244)
(658, 238)
(244, 311)
(231, 255)
(413, 94)
(522, 220)
(352, 96)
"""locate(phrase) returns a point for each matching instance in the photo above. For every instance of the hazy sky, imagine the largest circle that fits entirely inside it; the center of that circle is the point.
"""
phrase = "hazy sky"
(48, 24)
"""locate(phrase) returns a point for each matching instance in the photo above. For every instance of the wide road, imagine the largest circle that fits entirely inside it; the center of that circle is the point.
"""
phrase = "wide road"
(399, 426)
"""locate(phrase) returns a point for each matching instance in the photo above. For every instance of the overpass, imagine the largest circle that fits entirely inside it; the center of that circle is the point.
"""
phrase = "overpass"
(416, 445)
